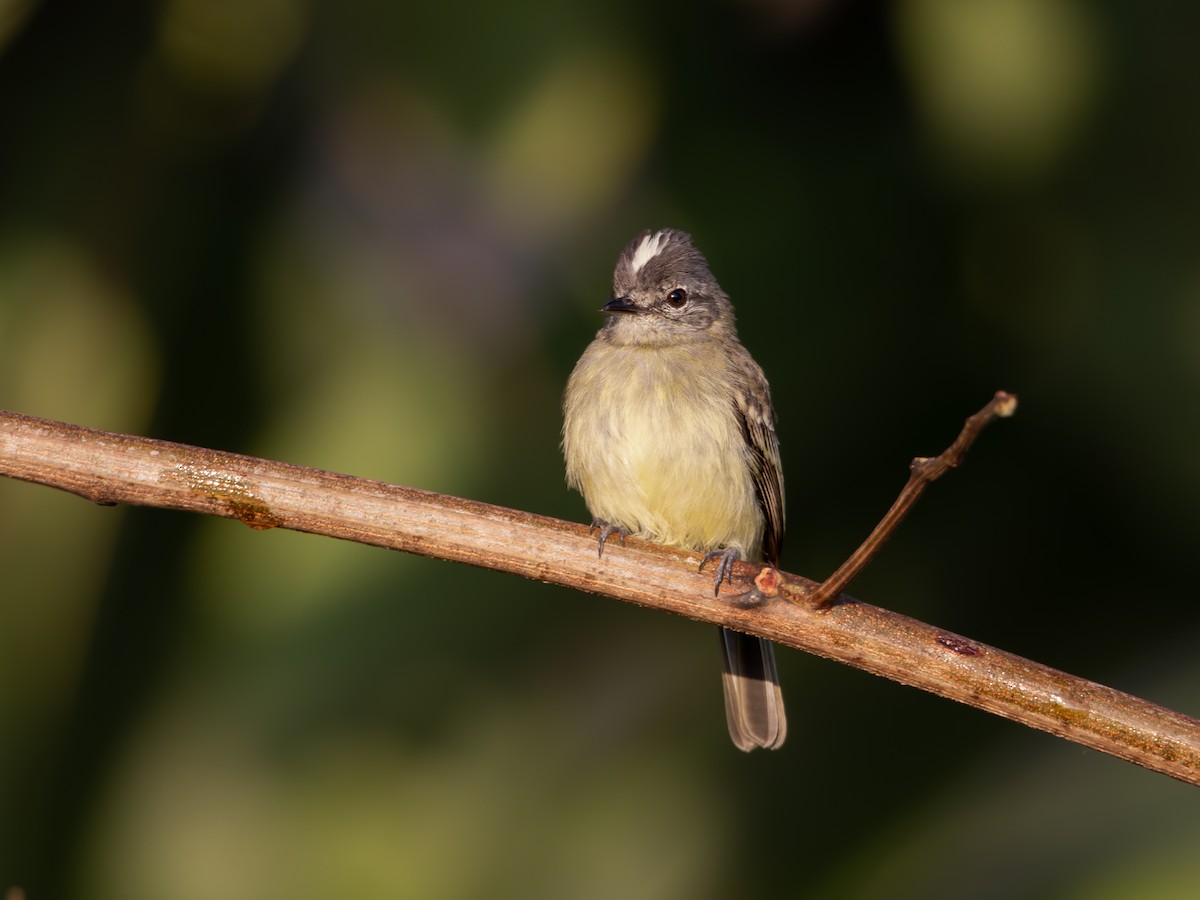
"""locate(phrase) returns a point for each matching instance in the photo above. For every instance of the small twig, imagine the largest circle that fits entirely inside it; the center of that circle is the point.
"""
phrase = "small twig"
(923, 472)
(116, 468)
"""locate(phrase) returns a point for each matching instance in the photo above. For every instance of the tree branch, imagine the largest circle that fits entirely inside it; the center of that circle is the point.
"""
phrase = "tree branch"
(923, 471)
(113, 468)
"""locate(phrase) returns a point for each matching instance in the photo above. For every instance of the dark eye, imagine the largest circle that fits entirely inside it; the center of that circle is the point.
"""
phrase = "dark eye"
(677, 298)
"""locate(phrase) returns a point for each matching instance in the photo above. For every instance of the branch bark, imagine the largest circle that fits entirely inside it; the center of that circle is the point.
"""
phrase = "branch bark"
(112, 468)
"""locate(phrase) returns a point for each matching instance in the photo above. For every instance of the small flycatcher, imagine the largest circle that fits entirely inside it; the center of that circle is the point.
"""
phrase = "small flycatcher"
(669, 434)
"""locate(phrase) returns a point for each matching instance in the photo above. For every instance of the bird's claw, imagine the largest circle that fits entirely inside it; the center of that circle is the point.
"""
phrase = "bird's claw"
(727, 558)
(606, 531)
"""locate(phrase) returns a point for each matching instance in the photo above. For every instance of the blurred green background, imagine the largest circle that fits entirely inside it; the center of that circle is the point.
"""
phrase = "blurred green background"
(373, 237)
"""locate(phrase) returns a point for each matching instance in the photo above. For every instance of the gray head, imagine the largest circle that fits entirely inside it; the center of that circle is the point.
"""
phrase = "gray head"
(663, 292)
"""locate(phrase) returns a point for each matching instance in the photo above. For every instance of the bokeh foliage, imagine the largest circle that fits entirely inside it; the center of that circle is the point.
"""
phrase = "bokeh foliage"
(373, 237)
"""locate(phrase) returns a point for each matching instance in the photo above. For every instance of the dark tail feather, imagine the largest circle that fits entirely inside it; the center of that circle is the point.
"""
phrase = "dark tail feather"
(753, 701)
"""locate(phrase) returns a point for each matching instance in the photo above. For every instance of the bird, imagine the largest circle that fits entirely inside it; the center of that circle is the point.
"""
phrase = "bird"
(669, 435)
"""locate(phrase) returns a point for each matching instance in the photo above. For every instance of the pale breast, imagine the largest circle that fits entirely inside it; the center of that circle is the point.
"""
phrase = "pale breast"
(653, 442)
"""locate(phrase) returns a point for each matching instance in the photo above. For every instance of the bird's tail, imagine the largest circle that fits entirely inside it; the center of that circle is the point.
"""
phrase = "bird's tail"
(753, 700)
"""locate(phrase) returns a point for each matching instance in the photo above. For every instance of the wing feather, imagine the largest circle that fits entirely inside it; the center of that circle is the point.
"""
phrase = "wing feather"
(757, 418)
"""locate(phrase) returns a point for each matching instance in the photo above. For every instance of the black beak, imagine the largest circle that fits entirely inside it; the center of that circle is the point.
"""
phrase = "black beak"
(619, 304)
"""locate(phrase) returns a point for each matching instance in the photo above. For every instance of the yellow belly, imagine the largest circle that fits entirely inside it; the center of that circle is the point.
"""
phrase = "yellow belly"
(654, 445)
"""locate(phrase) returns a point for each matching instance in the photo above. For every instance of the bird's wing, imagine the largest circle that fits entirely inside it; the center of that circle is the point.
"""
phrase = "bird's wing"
(757, 418)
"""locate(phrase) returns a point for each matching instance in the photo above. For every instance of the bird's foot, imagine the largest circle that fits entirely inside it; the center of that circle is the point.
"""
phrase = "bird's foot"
(607, 531)
(727, 558)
